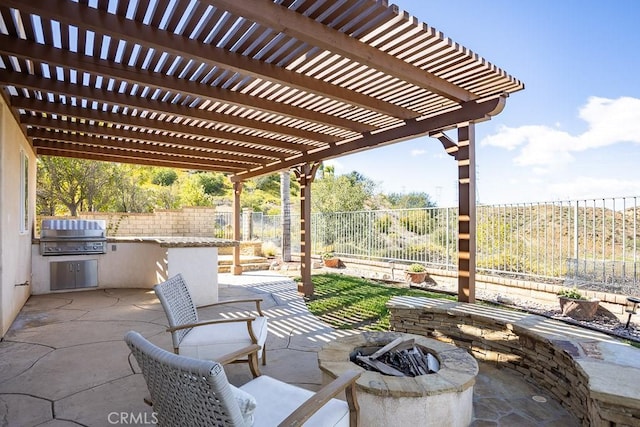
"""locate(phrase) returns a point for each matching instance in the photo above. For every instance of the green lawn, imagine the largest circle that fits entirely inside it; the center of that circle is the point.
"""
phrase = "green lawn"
(347, 302)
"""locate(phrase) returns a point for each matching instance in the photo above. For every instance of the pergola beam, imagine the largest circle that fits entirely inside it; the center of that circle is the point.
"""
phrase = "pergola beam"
(286, 21)
(90, 143)
(469, 112)
(42, 84)
(185, 163)
(26, 49)
(252, 155)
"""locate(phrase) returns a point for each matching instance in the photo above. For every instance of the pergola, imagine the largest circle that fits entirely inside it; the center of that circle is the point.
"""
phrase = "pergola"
(245, 87)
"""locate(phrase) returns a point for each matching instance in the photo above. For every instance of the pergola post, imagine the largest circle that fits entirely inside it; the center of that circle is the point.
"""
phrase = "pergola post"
(466, 213)
(305, 175)
(237, 190)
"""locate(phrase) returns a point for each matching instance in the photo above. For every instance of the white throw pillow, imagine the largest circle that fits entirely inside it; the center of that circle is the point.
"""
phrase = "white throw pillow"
(246, 402)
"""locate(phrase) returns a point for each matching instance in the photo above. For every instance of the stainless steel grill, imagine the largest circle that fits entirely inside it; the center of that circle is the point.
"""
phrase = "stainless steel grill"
(73, 237)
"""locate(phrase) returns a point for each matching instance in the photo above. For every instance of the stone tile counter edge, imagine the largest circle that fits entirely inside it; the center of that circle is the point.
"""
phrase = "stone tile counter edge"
(177, 242)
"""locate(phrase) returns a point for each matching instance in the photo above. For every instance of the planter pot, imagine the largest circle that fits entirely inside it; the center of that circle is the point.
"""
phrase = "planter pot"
(579, 309)
(416, 277)
(332, 262)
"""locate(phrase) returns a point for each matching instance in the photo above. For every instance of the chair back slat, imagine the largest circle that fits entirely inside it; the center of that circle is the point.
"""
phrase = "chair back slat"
(185, 391)
(177, 303)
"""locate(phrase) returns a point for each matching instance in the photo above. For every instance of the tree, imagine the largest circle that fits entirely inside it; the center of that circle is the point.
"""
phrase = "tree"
(341, 193)
(166, 197)
(75, 184)
(413, 200)
(269, 183)
(45, 191)
(192, 192)
(164, 177)
(98, 187)
(132, 189)
(214, 184)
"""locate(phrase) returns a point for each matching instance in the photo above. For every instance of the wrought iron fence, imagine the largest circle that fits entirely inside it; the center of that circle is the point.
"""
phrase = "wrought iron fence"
(591, 243)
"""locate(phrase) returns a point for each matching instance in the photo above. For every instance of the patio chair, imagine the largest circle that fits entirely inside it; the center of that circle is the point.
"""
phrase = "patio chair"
(193, 392)
(241, 339)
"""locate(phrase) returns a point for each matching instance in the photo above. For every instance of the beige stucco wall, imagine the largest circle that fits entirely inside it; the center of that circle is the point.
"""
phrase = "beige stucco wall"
(15, 247)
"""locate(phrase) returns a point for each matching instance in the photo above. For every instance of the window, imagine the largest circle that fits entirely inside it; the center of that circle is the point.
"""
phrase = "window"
(24, 192)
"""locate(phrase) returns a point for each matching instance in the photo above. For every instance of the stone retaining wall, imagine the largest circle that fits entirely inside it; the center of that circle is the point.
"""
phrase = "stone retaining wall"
(593, 375)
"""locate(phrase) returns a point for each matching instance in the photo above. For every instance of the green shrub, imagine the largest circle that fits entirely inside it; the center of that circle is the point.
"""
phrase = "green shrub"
(416, 268)
(383, 224)
(328, 255)
(269, 249)
(572, 293)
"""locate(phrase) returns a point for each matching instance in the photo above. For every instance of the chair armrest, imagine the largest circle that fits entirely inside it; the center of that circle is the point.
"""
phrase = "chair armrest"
(346, 382)
(235, 301)
(238, 354)
(248, 320)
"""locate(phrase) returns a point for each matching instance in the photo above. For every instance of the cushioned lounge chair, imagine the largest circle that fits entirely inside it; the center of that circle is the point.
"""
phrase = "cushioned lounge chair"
(241, 339)
(193, 392)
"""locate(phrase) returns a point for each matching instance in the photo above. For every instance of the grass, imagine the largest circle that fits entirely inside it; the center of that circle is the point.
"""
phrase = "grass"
(347, 302)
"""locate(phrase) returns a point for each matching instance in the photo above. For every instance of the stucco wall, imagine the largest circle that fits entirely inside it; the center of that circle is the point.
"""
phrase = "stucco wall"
(15, 246)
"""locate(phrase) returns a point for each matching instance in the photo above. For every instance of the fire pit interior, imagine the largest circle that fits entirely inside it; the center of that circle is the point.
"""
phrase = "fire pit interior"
(436, 390)
(399, 358)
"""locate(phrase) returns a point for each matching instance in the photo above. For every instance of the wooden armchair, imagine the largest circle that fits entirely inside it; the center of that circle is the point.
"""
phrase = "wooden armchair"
(240, 339)
(192, 392)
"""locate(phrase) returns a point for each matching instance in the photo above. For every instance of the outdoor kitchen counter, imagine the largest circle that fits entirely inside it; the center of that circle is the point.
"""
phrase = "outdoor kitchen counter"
(142, 262)
(196, 258)
(177, 242)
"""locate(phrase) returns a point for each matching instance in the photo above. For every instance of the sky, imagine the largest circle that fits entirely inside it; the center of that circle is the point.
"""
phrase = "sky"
(573, 133)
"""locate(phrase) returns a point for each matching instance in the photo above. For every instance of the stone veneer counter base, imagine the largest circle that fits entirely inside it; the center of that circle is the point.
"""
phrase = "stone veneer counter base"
(437, 399)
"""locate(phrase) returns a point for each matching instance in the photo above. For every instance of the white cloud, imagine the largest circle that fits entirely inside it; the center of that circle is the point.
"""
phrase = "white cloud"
(417, 152)
(609, 121)
(540, 171)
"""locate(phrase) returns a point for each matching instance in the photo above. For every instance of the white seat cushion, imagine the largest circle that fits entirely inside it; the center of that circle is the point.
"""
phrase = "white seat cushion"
(246, 402)
(210, 342)
(276, 400)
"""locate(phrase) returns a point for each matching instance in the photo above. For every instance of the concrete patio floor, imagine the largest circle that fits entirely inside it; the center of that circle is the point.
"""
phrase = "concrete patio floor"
(64, 362)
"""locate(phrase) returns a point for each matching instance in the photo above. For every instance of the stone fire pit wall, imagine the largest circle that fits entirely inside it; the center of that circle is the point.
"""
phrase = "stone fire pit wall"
(433, 400)
(593, 375)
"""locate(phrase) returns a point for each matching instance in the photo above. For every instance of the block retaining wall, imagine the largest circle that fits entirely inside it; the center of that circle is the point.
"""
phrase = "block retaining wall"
(189, 221)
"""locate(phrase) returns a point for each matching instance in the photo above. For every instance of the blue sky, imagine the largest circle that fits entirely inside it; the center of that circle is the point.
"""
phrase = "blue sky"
(573, 133)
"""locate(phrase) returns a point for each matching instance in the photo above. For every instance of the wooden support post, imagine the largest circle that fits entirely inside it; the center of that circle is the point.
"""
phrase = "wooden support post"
(237, 190)
(305, 175)
(466, 213)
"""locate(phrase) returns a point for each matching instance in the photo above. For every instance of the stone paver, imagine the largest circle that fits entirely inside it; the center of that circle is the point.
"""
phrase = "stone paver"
(64, 357)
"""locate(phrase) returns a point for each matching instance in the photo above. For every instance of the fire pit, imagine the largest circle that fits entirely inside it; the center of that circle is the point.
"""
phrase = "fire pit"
(400, 358)
(443, 395)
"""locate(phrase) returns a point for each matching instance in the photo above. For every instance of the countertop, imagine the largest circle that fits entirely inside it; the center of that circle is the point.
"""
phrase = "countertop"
(177, 242)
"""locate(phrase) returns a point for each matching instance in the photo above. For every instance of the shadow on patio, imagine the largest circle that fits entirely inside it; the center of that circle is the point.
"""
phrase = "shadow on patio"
(64, 361)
